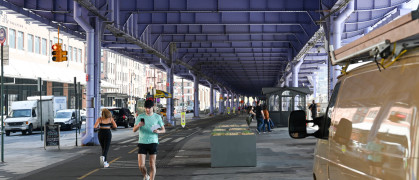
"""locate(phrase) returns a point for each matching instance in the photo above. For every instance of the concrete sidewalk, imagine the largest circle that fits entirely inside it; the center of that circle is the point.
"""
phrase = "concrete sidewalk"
(25, 155)
(278, 157)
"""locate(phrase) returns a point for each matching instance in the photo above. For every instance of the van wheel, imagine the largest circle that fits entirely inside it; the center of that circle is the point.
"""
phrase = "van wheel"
(23, 132)
(7, 133)
(30, 130)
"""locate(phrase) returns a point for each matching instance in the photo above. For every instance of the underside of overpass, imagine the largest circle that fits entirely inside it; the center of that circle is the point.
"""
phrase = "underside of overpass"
(235, 46)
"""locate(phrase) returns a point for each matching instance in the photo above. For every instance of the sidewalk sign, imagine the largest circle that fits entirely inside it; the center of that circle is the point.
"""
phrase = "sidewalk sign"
(52, 136)
(182, 119)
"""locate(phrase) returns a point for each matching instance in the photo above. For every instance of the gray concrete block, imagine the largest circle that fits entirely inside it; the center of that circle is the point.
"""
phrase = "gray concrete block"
(233, 151)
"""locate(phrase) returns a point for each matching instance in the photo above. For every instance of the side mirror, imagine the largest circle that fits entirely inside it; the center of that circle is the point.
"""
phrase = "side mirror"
(297, 124)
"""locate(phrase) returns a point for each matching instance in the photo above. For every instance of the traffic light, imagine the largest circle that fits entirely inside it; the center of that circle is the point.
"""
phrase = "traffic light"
(58, 55)
(63, 55)
(56, 52)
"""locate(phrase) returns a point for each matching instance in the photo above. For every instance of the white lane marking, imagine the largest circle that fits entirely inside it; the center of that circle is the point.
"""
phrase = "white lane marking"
(127, 141)
(165, 140)
(179, 139)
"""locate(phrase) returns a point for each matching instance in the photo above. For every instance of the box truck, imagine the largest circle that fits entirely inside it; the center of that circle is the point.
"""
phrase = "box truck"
(25, 116)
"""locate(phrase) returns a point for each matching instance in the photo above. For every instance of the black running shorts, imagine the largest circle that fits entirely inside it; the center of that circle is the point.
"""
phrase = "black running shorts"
(147, 148)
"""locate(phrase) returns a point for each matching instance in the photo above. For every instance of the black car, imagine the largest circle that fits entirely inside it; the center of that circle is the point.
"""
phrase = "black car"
(122, 116)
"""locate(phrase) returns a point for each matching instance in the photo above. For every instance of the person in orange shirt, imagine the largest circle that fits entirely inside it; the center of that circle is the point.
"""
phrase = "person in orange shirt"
(266, 120)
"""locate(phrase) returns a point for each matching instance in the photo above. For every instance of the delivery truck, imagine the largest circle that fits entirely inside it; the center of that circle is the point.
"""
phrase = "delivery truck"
(26, 116)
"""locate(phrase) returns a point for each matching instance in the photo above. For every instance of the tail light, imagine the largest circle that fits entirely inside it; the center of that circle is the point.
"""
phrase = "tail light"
(123, 116)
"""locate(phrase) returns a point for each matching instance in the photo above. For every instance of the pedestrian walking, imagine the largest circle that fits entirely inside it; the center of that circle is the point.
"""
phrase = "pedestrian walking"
(105, 123)
(149, 126)
(259, 117)
(313, 109)
(266, 119)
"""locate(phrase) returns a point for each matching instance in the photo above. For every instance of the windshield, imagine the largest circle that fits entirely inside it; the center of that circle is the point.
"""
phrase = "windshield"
(63, 115)
(21, 113)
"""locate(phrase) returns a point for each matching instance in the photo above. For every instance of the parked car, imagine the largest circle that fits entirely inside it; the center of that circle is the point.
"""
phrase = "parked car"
(82, 115)
(189, 109)
(122, 117)
(67, 119)
(163, 111)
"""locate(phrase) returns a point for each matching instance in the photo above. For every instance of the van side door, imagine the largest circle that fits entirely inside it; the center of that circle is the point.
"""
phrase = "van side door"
(322, 159)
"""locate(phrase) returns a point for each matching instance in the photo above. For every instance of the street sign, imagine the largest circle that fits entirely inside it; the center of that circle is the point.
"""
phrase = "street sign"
(3, 36)
(6, 55)
(182, 119)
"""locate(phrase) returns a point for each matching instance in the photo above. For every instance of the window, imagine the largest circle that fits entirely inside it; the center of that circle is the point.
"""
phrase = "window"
(37, 49)
(70, 52)
(55, 40)
(20, 40)
(79, 55)
(286, 101)
(101, 67)
(30, 43)
(44, 46)
(74, 54)
(12, 40)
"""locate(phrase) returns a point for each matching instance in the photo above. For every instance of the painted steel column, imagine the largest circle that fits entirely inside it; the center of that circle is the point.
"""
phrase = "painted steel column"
(115, 13)
(97, 53)
(214, 100)
(295, 71)
(231, 101)
(221, 101)
(196, 94)
(169, 76)
(88, 138)
(338, 25)
(227, 98)
(314, 86)
(211, 99)
(287, 79)
(238, 101)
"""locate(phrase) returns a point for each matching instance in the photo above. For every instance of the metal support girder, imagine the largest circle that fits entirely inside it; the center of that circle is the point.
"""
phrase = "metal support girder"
(97, 63)
(295, 71)
(117, 32)
(121, 46)
(337, 26)
(196, 93)
(231, 100)
(221, 101)
(89, 138)
(238, 101)
(211, 98)
(169, 72)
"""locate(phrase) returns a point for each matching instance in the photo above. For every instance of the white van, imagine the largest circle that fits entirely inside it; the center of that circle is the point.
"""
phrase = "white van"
(371, 126)
(24, 116)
